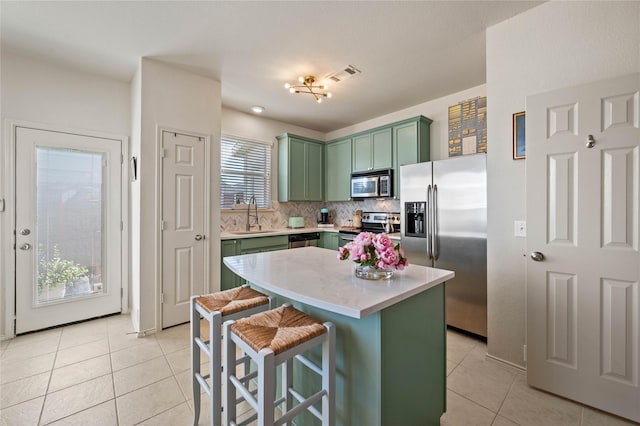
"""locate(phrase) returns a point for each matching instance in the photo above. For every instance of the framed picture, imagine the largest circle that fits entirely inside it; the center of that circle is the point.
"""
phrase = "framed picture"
(519, 146)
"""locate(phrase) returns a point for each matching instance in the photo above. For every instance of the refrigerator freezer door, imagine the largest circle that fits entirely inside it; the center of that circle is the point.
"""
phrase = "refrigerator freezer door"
(461, 238)
(415, 179)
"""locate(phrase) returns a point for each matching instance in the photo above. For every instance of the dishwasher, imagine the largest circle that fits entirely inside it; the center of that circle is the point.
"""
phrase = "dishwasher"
(304, 239)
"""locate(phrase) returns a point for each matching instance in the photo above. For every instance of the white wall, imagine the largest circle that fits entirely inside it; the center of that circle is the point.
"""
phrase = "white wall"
(437, 110)
(555, 45)
(39, 91)
(259, 128)
(44, 93)
(177, 99)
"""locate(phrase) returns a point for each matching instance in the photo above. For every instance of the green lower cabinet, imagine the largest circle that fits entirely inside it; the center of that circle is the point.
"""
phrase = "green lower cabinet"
(260, 244)
(227, 278)
(246, 246)
(390, 366)
(330, 240)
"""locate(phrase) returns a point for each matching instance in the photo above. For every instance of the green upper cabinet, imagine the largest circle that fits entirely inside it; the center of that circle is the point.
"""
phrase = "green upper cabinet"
(411, 144)
(337, 170)
(300, 169)
(372, 150)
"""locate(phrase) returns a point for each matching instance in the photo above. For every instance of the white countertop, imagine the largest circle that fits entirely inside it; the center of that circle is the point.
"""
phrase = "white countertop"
(314, 276)
(226, 235)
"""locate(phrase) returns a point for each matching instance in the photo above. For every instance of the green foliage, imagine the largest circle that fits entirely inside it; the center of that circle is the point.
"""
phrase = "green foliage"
(56, 271)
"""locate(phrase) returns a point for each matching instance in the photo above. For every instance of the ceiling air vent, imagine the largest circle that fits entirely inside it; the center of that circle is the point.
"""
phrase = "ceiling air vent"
(342, 75)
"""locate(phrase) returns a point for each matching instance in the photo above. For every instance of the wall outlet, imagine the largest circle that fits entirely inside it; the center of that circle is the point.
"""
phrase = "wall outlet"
(520, 228)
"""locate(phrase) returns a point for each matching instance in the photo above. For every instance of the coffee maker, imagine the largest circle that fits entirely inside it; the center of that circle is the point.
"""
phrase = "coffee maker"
(324, 216)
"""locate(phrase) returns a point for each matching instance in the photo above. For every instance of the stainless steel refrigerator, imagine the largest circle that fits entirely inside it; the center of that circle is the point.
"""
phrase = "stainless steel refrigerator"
(444, 225)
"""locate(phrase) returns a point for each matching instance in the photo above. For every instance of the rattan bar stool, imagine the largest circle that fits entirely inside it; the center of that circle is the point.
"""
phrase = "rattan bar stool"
(272, 338)
(217, 307)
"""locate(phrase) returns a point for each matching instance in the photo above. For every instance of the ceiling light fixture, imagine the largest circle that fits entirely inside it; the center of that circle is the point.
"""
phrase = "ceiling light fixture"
(257, 109)
(307, 86)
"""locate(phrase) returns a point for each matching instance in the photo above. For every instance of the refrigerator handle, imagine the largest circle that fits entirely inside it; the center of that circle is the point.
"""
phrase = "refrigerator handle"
(435, 236)
(429, 218)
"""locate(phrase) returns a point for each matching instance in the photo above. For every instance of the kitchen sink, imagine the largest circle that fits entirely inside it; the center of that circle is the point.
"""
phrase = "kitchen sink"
(267, 231)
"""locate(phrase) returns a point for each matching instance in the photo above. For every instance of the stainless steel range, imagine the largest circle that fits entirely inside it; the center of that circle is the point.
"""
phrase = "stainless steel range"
(375, 222)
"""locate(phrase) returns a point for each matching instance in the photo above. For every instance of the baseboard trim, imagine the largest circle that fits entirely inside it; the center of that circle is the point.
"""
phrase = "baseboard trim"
(506, 363)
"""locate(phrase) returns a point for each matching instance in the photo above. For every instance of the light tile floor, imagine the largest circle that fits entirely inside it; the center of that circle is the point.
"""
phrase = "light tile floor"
(96, 373)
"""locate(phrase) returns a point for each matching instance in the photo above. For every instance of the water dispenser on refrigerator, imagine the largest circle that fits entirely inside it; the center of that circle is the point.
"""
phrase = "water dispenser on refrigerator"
(415, 219)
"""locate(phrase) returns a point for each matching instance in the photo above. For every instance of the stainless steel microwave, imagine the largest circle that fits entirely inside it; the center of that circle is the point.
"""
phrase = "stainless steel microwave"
(376, 184)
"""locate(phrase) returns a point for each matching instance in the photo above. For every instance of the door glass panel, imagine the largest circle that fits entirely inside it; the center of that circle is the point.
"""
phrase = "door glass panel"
(69, 225)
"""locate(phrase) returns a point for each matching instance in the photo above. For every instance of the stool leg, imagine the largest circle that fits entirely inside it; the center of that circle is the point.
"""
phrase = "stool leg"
(266, 387)
(195, 360)
(229, 414)
(215, 363)
(287, 383)
(329, 376)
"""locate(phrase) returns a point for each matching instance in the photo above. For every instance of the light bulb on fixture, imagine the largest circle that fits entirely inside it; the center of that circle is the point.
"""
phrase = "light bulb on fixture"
(307, 86)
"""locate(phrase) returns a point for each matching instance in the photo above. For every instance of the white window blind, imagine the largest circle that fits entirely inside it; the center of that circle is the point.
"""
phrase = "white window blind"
(245, 172)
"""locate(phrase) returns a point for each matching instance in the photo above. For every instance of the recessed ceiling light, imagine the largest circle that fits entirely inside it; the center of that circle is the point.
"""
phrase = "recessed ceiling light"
(257, 109)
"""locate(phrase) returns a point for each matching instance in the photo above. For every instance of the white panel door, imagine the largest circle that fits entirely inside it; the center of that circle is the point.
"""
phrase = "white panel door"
(583, 192)
(68, 233)
(183, 213)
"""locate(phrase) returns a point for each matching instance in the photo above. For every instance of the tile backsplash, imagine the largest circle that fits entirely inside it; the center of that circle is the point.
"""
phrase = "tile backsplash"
(339, 212)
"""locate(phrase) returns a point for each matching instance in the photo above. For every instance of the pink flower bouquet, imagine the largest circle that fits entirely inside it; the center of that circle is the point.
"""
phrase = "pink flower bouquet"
(369, 249)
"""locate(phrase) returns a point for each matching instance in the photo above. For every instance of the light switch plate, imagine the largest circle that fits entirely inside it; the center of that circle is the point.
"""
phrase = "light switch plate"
(520, 228)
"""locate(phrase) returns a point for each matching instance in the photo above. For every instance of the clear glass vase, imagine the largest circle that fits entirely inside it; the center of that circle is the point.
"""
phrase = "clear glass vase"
(372, 272)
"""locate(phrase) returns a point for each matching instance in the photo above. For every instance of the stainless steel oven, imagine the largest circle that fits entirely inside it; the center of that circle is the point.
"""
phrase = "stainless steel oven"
(375, 222)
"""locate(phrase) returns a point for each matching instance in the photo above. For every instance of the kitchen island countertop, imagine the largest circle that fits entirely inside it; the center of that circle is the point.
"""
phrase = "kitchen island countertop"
(315, 276)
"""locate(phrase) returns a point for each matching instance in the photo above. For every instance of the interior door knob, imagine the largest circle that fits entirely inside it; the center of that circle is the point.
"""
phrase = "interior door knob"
(591, 142)
(25, 231)
(25, 246)
(537, 256)
(199, 237)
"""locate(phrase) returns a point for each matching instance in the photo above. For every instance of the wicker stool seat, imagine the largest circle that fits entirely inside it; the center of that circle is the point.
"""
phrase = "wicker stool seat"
(272, 338)
(234, 300)
(215, 308)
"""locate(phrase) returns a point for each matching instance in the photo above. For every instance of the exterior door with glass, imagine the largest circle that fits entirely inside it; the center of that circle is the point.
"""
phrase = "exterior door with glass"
(68, 228)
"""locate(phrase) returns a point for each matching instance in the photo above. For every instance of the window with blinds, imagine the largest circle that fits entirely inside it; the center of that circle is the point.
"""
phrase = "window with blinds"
(245, 172)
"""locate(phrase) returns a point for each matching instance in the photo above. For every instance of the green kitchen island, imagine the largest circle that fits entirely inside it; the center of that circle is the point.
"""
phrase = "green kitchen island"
(391, 334)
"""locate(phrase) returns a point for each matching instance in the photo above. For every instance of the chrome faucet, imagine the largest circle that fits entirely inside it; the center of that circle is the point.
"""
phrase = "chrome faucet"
(248, 227)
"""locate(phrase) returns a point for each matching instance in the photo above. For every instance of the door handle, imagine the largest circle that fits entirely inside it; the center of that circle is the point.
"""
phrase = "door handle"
(436, 237)
(199, 237)
(25, 246)
(25, 231)
(429, 228)
(537, 256)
